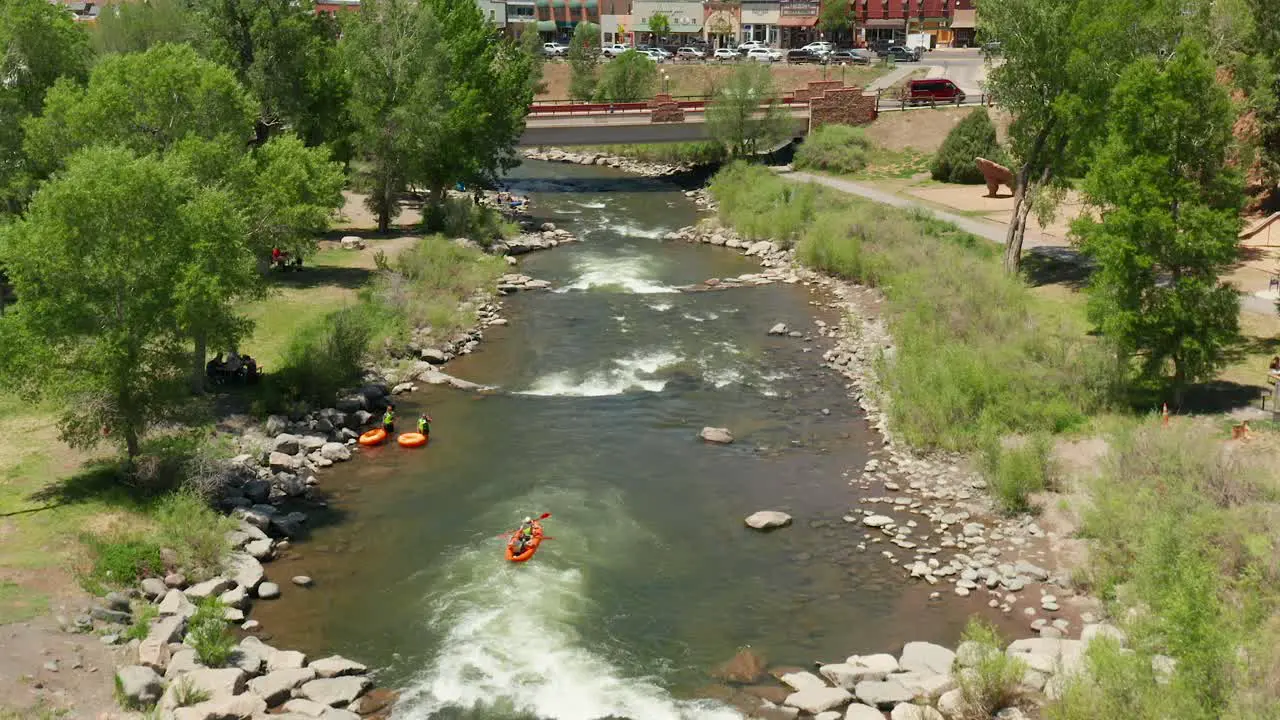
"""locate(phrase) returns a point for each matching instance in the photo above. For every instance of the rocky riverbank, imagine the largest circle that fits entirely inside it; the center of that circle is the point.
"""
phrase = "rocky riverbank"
(619, 162)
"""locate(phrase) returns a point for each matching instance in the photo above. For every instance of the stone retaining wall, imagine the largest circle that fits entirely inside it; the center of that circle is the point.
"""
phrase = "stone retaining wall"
(841, 106)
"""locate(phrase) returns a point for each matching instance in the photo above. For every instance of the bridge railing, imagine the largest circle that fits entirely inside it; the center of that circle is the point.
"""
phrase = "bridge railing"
(885, 102)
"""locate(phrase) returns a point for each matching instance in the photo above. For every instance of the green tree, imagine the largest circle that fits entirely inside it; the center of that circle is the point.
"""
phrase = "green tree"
(659, 26)
(584, 61)
(972, 137)
(1265, 57)
(286, 55)
(39, 43)
(1169, 203)
(107, 264)
(744, 115)
(531, 46)
(630, 77)
(169, 101)
(1060, 60)
(835, 16)
(140, 26)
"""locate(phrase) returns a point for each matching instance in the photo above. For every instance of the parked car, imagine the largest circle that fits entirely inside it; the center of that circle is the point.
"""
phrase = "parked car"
(553, 49)
(653, 54)
(760, 54)
(666, 55)
(802, 56)
(900, 54)
(819, 48)
(723, 54)
(750, 45)
(690, 53)
(879, 47)
(848, 57)
(936, 90)
(614, 50)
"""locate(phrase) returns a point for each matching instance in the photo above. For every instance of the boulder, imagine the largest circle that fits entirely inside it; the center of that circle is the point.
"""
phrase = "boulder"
(277, 424)
(883, 694)
(951, 703)
(925, 686)
(285, 660)
(268, 590)
(216, 682)
(259, 549)
(876, 521)
(435, 356)
(208, 588)
(779, 329)
(820, 699)
(306, 708)
(927, 658)
(716, 435)
(107, 615)
(153, 651)
(245, 570)
(276, 687)
(139, 685)
(183, 661)
(175, 580)
(881, 663)
(336, 452)
(858, 711)
(848, 676)
(798, 681)
(153, 588)
(336, 666)
(335, 692)
(286, 443)
(176, 603)
(239, 707)
(745, 667)
(767, 520)
(279, 461)
(907, 711)
(352, 242)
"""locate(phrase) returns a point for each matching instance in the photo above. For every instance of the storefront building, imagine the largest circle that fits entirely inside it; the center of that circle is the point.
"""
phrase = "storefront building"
(722, 25)
(558, 18)
(890, 21)
(797, 22)
(760, 22)
(684, 20)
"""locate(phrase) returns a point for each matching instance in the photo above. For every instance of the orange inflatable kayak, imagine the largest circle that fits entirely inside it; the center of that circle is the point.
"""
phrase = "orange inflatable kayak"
(529, 549)
(411, 439)
(373, 437)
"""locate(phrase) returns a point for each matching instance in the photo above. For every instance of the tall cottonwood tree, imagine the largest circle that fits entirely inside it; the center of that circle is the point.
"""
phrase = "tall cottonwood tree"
(1168, 202)
(744, 115)
(584, 61)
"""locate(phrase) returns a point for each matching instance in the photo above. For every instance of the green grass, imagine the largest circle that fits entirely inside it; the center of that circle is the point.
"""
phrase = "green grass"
(119, 559)
(141, 622)
(995, 680)
(885, 164)
(977, 354)
(207, 634)
(18, 603)
(1017, 471)
(834, 148)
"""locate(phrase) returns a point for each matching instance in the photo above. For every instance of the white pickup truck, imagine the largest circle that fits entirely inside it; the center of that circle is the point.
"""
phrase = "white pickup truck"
(553, 49)
(614, 50)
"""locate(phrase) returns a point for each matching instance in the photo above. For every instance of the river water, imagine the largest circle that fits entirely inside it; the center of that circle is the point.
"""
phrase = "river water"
(649, 579)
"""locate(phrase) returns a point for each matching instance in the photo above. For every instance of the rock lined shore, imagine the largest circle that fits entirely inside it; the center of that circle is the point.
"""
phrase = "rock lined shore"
(924, 682)
(626, 164)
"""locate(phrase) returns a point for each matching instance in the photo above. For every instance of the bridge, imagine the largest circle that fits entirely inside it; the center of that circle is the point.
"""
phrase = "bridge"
(671, 120)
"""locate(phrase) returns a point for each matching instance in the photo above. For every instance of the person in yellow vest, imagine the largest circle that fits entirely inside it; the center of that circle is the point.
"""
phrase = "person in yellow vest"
(424, 424)
(389, 419)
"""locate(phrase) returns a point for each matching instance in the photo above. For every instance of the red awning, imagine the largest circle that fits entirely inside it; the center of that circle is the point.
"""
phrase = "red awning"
(808, 21)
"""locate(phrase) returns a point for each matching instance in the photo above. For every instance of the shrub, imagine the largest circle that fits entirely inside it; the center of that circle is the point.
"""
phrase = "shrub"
(141, 623)
(994, 681)
(186, 694)
(198, 533)
(1015, 472)
(431, 280)
(760, 206)
(462, 217)
(322, 358)
(119, 560)
(834, 148)
(630, 77)
(207, 633)
(972, 137)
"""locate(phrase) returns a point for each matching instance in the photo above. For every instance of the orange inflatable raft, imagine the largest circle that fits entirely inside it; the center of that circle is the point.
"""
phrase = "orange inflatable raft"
(373, 437)
(529, 549)
(411, 439)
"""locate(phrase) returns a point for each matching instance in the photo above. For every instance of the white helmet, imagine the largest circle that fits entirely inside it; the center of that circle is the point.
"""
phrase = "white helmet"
(528, 519)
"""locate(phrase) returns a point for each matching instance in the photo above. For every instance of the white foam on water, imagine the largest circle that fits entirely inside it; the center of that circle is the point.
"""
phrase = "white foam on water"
(510, 647)
(591, 205)
(691, 316)
(629, 374)
(632, 231)
(660, 307)
(567, 212)
(626, 273)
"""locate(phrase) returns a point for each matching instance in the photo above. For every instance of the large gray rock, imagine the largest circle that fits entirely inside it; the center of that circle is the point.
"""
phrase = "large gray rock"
(183, 661)
(214, 681)
(951, 703)
(926, 686)
(209, 588)
(848, 676)
(768, 520)
(276, 687)
(336, 666)
(876, 521)
(311, 443)
(907, 711)
(259, 549)
(335, 692)
(716, 435)
(268, 591)
(306, 708)
(239, 707)
(277, 424)
(882, 663)
(282, 462)
(245, 570)
(153, 588)
(336, 452)
(153, 651)
(175, 602)
(285, 660)
(140, 685)
(858, 711)
(816, 700)
(778, 329)
(802, 681)
(883, 694)
(1035, 572)
(927, 658)
(286, 443)
(250, 657)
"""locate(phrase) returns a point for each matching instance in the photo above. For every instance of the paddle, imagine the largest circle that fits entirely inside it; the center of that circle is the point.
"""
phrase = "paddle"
(543, 516)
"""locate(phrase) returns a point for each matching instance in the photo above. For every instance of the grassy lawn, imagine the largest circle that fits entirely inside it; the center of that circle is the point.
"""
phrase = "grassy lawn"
(703, 78)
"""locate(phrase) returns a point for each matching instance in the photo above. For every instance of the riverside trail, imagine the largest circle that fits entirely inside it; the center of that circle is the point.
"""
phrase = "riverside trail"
(652, 581)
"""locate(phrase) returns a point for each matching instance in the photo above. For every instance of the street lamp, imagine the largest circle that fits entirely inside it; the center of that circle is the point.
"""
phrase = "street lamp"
(666, 88)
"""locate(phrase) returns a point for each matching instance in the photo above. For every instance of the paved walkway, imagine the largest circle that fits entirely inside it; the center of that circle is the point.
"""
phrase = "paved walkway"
(891, 77)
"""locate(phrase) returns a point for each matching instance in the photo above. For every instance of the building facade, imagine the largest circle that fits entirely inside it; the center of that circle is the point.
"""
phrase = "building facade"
(722, 24)
(890, 21)
(684, 17)
(760, 21)
(797, 22)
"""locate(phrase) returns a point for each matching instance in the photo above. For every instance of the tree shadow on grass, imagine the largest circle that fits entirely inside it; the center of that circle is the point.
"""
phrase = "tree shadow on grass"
(1054, 265)
(105, 481)
(351, 278)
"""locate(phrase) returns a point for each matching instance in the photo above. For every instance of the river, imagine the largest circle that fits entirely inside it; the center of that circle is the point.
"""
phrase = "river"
(649, 579)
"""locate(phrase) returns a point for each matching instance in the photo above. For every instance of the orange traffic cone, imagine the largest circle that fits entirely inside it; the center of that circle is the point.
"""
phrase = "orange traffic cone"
(1164, 415)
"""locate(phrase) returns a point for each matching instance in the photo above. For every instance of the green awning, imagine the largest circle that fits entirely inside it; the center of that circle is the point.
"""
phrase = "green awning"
(546, 26)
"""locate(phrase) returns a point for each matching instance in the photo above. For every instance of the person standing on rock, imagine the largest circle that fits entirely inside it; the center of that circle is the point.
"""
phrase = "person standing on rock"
(389, 419)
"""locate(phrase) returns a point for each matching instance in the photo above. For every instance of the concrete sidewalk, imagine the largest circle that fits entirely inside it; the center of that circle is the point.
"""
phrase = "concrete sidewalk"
(891, 77)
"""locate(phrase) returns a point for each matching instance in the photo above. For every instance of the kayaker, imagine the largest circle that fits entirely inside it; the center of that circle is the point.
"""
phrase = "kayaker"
(389, 420)
(524, 535)
(424, 424)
